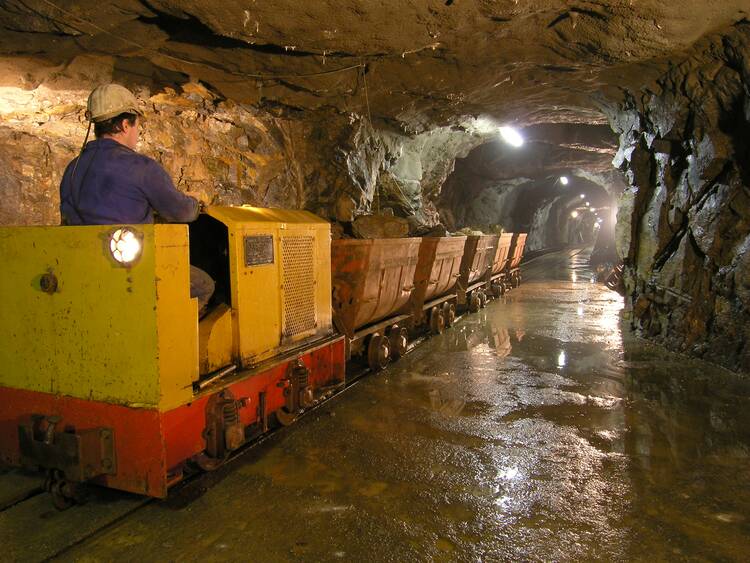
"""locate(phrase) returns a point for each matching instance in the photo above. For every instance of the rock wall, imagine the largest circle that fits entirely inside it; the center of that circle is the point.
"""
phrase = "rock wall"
(684, 221)
(230, 152)
(334, 164)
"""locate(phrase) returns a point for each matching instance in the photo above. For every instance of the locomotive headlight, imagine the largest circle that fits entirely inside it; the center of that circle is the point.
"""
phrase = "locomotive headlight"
(125, 245)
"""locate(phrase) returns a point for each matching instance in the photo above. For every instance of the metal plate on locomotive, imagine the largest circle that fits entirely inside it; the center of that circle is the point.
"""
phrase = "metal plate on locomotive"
(258, 250)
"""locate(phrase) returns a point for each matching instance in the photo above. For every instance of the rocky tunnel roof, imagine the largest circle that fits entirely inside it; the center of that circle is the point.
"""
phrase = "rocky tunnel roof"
(415, 64)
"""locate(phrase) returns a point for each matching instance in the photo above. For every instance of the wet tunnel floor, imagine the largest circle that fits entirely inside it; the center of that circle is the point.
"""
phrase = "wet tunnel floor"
(537, 429)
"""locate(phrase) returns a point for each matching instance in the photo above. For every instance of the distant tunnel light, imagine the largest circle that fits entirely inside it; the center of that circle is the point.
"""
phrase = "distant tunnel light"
(511, 136)
(561, 359)
(564, 180)
(574, 214)
(588, 204)
(583, 196)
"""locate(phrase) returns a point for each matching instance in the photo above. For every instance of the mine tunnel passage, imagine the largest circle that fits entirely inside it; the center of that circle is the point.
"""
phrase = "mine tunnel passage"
(611, 138)
(558, 185)
(539, 411)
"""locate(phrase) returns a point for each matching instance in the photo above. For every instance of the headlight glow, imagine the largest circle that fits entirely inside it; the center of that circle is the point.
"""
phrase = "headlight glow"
(125, 245)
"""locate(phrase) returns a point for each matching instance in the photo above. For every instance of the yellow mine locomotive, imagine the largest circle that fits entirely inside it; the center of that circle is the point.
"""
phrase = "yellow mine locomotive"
(108, 375)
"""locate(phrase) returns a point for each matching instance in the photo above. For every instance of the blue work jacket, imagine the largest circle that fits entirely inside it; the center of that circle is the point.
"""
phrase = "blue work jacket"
(114, 184)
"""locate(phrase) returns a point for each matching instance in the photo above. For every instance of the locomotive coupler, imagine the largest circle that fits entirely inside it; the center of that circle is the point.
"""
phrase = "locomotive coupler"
(69, 457)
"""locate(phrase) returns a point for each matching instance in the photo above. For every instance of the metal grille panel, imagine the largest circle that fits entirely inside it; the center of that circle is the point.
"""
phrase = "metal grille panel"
(299, 284)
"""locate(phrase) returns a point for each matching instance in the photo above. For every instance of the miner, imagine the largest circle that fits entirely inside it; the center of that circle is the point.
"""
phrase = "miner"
(111, 183)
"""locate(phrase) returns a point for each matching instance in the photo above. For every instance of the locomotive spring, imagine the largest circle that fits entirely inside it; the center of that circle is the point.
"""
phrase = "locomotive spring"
(302, 375)
(231, 412)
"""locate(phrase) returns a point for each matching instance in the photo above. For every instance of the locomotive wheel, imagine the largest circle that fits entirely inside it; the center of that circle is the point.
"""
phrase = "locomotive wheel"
(474, 302)
(64, 493)
(285, 418)
(398, 338)
(378, 352)
(449, 314)
(437, 320)
(207, 463)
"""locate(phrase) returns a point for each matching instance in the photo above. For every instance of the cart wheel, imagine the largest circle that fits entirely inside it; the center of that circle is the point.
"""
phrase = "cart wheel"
(516, 280)
(482, 299)
(497, 289)
(378, 352)
(474, 301)
(437, 320)
(449, 314)
(398, 338)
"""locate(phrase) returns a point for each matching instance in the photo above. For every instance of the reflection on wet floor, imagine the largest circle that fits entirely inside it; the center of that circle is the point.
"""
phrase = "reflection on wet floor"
(536, 429)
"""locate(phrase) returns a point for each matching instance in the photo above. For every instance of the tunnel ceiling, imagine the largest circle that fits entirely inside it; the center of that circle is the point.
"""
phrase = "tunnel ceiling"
(427, 62)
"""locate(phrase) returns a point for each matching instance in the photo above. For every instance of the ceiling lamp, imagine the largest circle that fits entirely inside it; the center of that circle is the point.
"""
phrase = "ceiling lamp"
(564, 180)
(583, 196)
(574, 214)
(511, 136)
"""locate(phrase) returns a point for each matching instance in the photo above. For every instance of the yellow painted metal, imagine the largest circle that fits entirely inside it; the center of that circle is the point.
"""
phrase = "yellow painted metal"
(129, 335)
(176, 315)
(285, 300)
(215, 339)
(102, 335)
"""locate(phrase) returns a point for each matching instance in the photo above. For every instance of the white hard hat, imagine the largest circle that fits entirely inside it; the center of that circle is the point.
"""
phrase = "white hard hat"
(110, 100)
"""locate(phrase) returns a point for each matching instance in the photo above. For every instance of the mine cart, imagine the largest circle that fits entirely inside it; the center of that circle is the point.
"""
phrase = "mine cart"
(498, 281)
(373, 281)
(475, 268)
(438, 269)
(512, 270)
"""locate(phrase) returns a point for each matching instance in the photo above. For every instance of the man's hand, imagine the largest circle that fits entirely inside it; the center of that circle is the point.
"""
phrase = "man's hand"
(202, 197)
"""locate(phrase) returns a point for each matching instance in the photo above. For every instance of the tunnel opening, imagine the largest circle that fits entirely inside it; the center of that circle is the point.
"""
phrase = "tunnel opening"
(560, 187)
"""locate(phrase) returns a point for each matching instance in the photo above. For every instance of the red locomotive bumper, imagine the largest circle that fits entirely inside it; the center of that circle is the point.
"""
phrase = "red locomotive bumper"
(144, 450)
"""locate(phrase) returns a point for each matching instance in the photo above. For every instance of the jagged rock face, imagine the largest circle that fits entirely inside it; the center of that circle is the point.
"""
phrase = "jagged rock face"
(684, 222)
(231, 153)
(335, 165)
